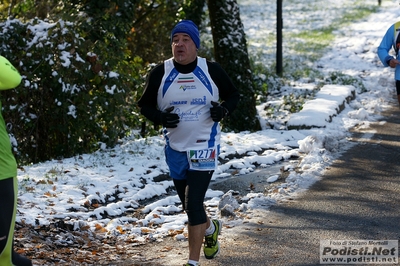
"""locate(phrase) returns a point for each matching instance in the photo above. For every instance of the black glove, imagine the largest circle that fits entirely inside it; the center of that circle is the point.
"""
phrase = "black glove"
(217, 111)
(169, 119)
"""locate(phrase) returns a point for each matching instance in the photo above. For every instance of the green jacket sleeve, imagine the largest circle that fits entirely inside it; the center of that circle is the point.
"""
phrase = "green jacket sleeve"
(9, 76)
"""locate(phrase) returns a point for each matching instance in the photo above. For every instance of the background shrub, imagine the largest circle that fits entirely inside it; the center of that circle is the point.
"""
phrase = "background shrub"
(74, 94)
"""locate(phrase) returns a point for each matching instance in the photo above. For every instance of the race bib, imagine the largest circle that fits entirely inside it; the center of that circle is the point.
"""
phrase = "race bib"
(202, 160)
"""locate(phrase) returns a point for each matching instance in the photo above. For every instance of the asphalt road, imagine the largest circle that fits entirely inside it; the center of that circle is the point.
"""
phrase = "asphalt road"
(357, 199)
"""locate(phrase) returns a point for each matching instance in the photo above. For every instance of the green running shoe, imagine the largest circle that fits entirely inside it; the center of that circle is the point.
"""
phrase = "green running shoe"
(211, 245)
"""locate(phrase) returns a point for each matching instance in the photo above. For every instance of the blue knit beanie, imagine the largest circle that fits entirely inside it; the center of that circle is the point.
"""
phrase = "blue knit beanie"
(188, 27)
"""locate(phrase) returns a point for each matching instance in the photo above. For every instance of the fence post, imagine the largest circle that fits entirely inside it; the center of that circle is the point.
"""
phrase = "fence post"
(279, 26)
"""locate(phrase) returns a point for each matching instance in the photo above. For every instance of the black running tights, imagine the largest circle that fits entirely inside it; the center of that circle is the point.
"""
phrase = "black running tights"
(191, 192)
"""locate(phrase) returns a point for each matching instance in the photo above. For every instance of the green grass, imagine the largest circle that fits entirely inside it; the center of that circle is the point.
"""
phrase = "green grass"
(311, 44)
(308, 46)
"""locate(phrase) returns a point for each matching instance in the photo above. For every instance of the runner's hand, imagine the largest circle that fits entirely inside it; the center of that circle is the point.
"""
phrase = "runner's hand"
(217, 111)
(393, 63)
(168, 119)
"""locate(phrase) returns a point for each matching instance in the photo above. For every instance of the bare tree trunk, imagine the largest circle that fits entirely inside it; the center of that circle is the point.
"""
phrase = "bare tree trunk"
(10, 8)
(41, 9)
(194, 10)
(230, 49)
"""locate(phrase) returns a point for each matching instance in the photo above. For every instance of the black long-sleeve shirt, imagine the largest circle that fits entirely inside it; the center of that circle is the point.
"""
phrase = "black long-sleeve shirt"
(228, 93)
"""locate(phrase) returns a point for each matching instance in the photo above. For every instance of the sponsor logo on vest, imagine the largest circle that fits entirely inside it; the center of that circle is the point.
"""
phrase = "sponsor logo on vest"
(187, 87)
(177, 102)
(202, 77)
(198, 101)
(188, 115)
(172, 76)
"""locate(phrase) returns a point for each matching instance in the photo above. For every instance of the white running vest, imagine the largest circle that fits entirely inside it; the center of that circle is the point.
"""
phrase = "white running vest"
(191, 95)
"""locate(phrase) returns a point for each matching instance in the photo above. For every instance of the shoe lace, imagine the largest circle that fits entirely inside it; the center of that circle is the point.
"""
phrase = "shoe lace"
(210, 242)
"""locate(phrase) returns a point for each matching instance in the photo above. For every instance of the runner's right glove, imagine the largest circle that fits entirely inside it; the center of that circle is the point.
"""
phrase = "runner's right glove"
(168, 119)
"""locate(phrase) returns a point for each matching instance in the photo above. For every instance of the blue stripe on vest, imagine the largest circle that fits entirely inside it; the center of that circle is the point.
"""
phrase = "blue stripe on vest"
(168, 81)
(213, 133)
(203, 78)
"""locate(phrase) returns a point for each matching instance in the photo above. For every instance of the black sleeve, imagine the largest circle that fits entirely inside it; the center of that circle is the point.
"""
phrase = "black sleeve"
(228, 92)
(148, 101)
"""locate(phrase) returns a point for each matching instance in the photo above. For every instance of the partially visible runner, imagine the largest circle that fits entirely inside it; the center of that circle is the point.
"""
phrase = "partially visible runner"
(9, 78)
(391, 42)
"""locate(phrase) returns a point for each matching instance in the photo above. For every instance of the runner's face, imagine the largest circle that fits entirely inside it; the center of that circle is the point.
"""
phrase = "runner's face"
(184, 50)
